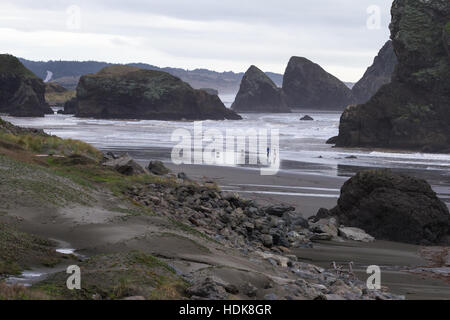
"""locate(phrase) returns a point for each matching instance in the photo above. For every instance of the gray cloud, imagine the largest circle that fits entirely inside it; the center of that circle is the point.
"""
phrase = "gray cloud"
(222, 35)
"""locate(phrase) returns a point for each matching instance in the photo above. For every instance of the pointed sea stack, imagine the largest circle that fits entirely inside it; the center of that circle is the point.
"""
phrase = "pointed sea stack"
(258, 93)
(377, 75)
(21, 92)
(308, 86)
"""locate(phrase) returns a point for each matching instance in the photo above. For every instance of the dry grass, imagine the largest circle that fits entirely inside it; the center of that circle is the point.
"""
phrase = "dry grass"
(50, 145)
(55, 98)
(17, 292)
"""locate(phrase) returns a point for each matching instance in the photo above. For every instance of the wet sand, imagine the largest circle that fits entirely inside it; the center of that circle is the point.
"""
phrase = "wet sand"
(394, 259)
(306, 186)
(306, 192)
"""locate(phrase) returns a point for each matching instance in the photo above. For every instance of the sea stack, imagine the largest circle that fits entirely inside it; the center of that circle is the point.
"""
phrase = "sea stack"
(22, 94)
(258, 93)
(413, 111)
(308, 86)
(125, 92)
(377, 75)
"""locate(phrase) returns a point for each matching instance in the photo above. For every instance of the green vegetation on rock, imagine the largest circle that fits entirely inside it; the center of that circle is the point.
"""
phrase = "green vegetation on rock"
(447, 28)
(11, 65)
(125, 92)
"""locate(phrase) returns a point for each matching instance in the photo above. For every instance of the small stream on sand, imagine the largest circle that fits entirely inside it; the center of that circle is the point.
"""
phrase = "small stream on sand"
(30, 277)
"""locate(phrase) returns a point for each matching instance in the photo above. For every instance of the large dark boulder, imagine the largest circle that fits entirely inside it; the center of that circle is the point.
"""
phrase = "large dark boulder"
(258, 93)
(308, 86)
(413, 111)
(124, 92)
(377, 75)
(395, 207)
(21, 92)
(158, 168)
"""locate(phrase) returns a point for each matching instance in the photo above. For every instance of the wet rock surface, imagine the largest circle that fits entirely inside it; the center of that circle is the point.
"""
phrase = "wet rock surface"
(307, 118)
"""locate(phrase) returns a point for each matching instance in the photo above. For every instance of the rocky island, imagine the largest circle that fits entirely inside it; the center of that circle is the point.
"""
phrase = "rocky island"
(377, 75)
(413, 111)
(21, 92)
(308, 86)
(124, 92)
(258, 93)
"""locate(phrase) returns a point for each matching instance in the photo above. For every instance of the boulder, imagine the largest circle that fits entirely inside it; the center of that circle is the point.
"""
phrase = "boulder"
(125, 165)
(125, 92)
(308, 86)
(395, 207)
(413, 111)
(307, 118)
(377, 75)
(325, 226)
(332, 140)
(355, 234)
(267, 240)
(22, 94)
(158, 168)
(182, 176)
(258, 93)
(278, 210)
(207, 288)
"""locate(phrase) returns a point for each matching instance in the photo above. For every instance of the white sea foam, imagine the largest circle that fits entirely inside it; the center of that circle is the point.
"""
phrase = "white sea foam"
(302, 141)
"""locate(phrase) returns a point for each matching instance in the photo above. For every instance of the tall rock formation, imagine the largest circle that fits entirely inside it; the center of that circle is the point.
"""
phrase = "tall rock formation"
(308, 86)
(377, 75)
(124, 92)
(21, 92)
(413, 111)
(258, 93)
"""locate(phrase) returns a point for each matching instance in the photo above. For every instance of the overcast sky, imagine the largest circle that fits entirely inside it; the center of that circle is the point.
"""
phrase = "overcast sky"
(343, 36)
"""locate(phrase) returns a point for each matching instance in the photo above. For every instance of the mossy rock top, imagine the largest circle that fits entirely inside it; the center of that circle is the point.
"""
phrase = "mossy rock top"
(11, 65)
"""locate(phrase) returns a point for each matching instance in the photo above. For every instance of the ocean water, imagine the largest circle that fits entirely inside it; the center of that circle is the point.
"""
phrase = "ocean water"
(302, 143)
